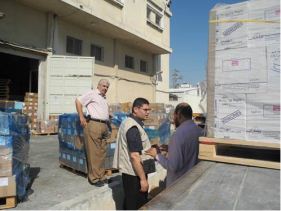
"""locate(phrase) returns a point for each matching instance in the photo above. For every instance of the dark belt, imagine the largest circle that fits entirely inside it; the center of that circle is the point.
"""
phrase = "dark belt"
(98, 120)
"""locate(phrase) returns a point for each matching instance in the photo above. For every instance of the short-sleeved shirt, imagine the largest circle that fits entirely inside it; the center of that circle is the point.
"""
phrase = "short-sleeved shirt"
(133, 137)
(96, 104)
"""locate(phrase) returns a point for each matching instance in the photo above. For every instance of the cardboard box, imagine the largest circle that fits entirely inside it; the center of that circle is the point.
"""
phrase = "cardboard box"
(5, 161)
(7, 186)
(126, 107)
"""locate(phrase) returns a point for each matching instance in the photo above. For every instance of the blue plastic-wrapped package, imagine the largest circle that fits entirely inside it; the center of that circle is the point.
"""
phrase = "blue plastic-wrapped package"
(15, 135)
(21, 170)
(71, 142)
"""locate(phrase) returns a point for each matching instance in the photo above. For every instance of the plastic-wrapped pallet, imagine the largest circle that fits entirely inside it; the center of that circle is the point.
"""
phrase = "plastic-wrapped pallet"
(14, 149)
(244, 71)
(71, 142)
(157, 127)
(11, 106)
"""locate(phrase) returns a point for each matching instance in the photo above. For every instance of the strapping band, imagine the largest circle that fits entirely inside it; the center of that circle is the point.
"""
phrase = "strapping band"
(243, 21)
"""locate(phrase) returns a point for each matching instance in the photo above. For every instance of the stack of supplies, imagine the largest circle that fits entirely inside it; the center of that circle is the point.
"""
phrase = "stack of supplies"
(14, 149)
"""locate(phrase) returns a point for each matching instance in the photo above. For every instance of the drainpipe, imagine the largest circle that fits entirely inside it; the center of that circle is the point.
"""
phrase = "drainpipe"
(116, 69)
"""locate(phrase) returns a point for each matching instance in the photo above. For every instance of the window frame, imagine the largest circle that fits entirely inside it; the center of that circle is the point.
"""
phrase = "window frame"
(119, 3)
(126, 62)
(145, 65)
(74, 45)
(101, 52)
(158, 13)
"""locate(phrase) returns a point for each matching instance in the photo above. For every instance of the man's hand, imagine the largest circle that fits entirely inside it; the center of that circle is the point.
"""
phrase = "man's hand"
(152, 152)
(79, 109)
(144, 186)
(164, 147)
(83, 121)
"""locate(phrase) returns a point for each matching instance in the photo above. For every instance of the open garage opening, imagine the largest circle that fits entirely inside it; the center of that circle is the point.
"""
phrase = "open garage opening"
(18, 75)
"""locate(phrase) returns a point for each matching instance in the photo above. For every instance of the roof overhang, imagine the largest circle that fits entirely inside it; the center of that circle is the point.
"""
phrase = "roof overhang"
(83, 17)
(19, 50)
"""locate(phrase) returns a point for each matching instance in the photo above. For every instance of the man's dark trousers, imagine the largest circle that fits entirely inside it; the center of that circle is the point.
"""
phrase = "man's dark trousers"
(134, 198)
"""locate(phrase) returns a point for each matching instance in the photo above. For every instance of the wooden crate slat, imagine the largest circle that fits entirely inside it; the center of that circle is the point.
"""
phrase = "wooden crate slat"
(208, 150)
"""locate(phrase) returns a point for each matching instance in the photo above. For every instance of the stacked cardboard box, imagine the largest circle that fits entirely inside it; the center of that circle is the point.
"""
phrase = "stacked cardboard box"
(244, 71)
(126, 107)
(14, 148)
(49, 126)
(30, 108)
(157, 126)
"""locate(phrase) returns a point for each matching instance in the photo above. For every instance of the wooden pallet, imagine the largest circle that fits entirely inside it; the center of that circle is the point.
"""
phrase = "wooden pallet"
(250, 153)
(108, 172)
(69, 168)
(7, 202)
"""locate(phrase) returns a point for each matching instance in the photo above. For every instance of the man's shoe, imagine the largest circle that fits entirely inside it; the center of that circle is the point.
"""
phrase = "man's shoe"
(107, 181)
(98, 184)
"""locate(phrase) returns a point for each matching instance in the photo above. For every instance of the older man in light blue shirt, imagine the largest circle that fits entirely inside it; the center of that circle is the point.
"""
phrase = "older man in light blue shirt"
(183, 147)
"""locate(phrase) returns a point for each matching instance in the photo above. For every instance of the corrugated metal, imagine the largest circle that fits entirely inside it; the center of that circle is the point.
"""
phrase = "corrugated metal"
(68, 77)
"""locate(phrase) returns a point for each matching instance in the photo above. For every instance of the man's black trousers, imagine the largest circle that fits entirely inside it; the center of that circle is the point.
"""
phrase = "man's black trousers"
(134, 199)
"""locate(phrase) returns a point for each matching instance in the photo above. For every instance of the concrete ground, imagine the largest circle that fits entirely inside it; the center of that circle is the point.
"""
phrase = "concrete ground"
(209, 185)
(59, 188)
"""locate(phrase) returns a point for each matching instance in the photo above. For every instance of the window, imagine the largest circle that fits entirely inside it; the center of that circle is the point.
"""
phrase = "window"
(154, 15)
(173, 97)
(148, 13)
(129, 62)
(158, 20)
(73, 45)
(97, 52)
(119, 3)
(143, 66)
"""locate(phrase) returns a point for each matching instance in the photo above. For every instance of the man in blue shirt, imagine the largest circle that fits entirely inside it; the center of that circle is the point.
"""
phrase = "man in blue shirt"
(183, 147)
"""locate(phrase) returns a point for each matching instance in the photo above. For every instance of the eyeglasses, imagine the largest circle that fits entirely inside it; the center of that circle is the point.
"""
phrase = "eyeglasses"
(145, 109)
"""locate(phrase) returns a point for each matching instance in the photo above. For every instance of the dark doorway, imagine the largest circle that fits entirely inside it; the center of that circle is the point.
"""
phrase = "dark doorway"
(18, 75)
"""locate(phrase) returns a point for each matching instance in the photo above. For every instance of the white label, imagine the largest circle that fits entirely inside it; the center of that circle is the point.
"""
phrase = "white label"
(4, 181)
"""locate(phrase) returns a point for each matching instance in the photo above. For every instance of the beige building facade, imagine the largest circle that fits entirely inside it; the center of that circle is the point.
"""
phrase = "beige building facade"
(127, 40)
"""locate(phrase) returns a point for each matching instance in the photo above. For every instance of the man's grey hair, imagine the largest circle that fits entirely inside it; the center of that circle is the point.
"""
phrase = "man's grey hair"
(102, 81)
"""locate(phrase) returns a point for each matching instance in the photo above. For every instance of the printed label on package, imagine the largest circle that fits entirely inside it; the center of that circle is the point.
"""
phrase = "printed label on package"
(4, 181)
(271, 110)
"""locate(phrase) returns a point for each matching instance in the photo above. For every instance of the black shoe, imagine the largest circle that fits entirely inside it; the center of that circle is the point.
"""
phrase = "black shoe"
(107, 181)
(98, 184)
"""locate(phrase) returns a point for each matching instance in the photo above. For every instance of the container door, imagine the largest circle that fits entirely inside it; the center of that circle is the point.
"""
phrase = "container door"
(67, 78)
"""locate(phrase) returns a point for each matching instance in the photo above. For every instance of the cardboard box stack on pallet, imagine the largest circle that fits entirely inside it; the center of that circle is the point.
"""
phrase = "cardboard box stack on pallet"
(30, 108)
(71, 144)
(14, 167)
(47, 126)
(157, 126)
(38, 126)
(244, 71)
(243, 106)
